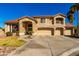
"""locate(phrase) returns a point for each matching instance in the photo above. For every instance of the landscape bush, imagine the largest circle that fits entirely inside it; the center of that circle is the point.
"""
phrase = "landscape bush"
(8, 33)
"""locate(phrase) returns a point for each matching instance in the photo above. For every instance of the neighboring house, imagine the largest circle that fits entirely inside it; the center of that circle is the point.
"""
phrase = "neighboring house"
(40, 25)
(2, 33)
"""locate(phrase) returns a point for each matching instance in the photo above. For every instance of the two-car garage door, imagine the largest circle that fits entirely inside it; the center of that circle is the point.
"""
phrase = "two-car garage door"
(45, 31)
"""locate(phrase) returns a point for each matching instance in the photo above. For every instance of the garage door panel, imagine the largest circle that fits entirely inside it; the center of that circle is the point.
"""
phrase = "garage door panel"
(57, 32)
(44, 32)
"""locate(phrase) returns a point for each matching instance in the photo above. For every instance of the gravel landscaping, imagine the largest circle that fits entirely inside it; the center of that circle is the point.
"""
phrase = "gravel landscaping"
(4, 50)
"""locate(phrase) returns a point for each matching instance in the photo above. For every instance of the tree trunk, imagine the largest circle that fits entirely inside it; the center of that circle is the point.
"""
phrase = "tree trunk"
(78, 25)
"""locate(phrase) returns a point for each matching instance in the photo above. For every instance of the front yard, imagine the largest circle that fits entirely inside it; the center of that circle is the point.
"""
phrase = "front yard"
(9, 44)
(11, 41)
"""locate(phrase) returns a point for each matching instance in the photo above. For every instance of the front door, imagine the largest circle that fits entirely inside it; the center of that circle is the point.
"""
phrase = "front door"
(29, 29)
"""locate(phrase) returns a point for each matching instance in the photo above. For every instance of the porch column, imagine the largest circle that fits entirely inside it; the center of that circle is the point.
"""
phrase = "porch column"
(11, 28)
(21, 28)
(5, 28)
(34, 28)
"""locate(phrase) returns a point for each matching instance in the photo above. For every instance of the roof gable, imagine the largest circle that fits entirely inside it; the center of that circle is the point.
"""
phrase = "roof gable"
(60, 15)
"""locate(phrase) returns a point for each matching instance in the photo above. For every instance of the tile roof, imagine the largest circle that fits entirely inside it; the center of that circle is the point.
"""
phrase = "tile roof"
(12, 21)
(49, 16)
(69, 25)
(17, 20)
(32, 18)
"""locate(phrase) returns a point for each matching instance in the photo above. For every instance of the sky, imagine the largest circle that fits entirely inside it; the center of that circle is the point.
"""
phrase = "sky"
(12, 11)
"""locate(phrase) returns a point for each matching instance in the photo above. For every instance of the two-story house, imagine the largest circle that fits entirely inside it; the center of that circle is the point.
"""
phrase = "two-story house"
(40, 25)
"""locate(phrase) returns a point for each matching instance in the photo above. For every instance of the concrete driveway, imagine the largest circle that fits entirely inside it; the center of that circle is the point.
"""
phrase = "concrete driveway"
(48, 46)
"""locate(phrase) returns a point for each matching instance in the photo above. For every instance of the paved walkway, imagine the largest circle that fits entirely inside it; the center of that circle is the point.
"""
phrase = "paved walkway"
(48, 46)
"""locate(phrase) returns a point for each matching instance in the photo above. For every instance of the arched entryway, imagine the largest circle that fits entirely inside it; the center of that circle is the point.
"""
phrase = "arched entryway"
(59, 31)
(28, 27)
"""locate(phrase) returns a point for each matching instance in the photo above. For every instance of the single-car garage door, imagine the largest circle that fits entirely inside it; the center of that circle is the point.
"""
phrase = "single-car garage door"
(59, 31)
(45, 31)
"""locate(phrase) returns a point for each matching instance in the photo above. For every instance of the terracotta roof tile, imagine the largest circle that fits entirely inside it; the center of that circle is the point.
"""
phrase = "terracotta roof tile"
(17, 20)
(12, 21)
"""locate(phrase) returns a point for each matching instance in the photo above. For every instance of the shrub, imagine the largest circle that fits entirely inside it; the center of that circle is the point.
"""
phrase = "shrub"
(8, 33)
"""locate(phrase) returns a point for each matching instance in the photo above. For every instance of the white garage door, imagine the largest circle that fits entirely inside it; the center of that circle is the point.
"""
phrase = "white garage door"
(44, 32)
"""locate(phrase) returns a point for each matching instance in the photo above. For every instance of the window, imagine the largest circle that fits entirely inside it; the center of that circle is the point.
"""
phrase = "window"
(42, 20)
(59, 20)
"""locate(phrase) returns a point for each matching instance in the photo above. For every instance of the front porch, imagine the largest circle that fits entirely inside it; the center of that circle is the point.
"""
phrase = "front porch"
(23, 26)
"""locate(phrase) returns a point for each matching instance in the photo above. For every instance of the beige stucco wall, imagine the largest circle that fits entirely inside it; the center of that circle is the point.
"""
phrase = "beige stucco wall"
(59, 25)
(48, 23)
(37, 25)
(21, 28)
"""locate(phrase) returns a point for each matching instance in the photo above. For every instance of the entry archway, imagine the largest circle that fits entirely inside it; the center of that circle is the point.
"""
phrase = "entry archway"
(28, 26)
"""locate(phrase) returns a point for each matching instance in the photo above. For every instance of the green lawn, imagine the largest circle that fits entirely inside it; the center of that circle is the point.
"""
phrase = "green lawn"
(11, 41)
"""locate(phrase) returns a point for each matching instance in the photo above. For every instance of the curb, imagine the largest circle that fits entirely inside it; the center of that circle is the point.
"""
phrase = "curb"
(70, 52)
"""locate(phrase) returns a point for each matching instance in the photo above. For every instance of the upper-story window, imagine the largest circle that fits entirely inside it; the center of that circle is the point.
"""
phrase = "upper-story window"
(59, 20)
(42, 20)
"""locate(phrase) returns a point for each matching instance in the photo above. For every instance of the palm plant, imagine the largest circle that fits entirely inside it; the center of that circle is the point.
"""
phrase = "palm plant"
(70, 15)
